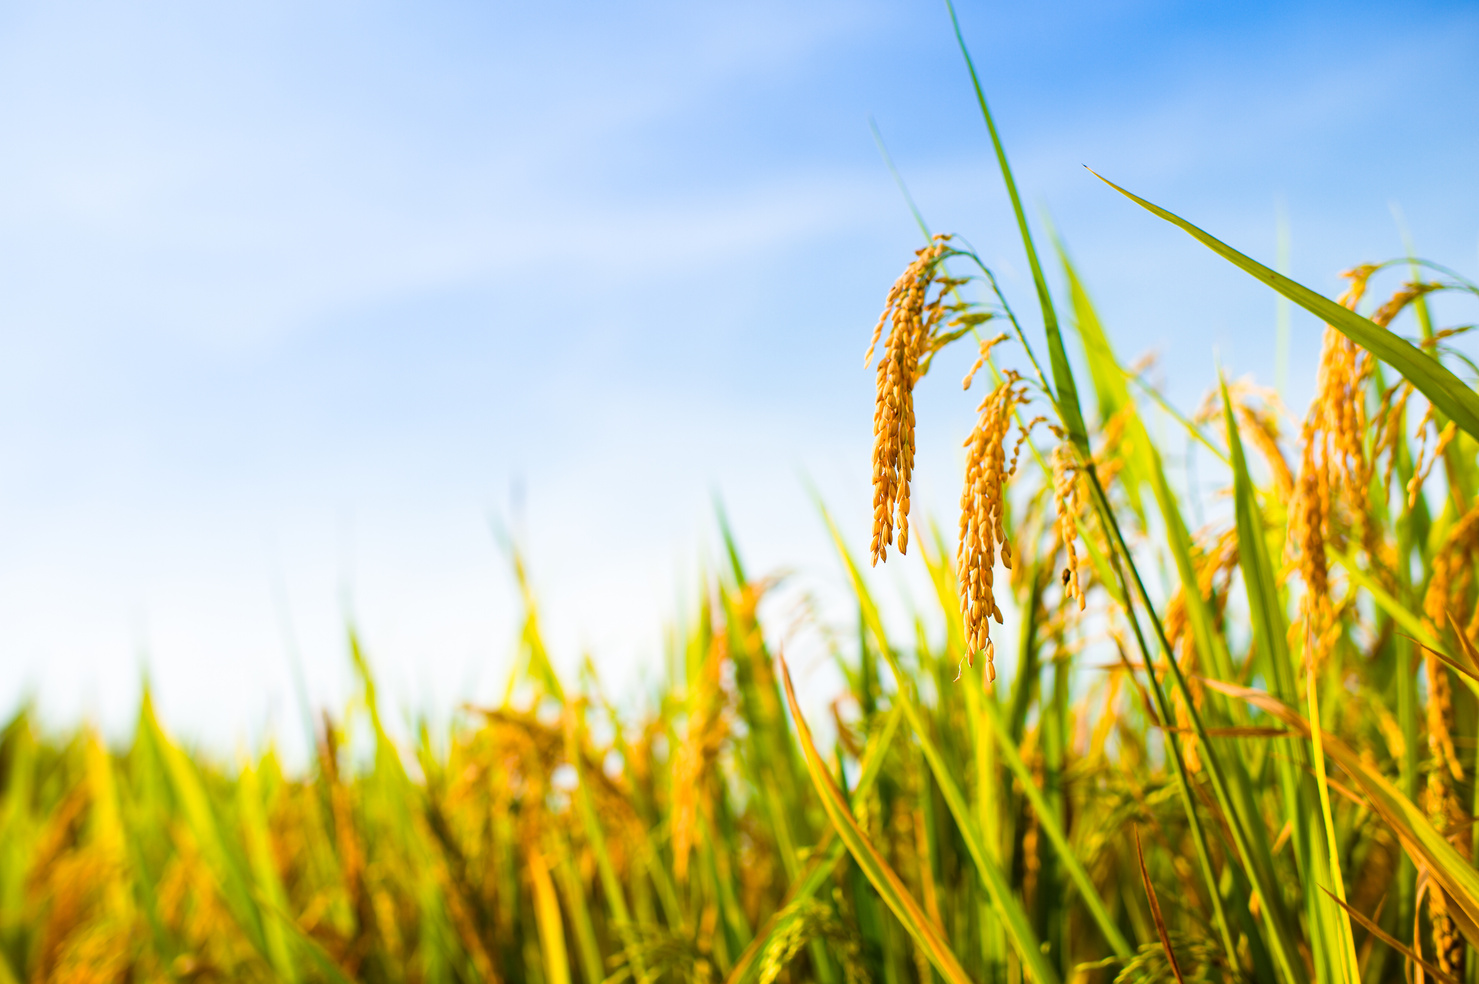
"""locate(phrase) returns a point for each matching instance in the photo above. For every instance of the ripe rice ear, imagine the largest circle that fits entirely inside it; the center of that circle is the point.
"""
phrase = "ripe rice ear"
(983, 516)
(911, 316)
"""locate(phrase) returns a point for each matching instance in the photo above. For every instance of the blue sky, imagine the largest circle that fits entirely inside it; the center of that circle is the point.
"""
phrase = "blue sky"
(297, 293)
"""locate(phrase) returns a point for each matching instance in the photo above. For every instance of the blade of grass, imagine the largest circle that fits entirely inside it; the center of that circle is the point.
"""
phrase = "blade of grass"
(1271, 641)
(1352, 968)
(322, 959)
(1471, 653)
(580, 914)
(1048, 824)
(1071, 416)
(1120, 559)
(547, 917)
(1155, 909)
(1108, 379)
(199, 816)
(1393, 942)
(595, 835)
(1066, 399)
(888, 162)
(982, 706)
(1144, 464)
(264, 872)
(1465, 674)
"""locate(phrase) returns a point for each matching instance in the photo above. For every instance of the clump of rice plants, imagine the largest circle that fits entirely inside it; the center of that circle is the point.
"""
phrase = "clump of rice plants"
(1265, 773)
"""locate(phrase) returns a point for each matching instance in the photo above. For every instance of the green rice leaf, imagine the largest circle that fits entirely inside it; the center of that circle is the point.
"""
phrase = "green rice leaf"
(1433, 379)
(264, 874)
(547, 917)
(1066, 396)
(200, 817)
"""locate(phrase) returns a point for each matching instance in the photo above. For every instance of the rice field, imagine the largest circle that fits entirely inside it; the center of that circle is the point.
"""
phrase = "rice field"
(1264, 772)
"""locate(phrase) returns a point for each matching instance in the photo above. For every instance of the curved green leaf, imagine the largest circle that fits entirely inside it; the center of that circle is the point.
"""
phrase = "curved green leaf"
(1434, 380)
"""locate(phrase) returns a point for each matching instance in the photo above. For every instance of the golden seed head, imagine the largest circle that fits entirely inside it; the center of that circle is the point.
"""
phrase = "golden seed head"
(1426, 457)
(1358, 276)
(1331, 496)
(914, 312)
(983, 514)
(1309, 517)
(1452, 580)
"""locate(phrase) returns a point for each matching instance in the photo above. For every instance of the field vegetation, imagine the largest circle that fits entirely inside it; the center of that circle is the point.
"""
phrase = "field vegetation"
(1244, 751)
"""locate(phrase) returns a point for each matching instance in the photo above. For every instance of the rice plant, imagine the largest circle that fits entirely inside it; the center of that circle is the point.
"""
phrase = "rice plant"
(1265, 773)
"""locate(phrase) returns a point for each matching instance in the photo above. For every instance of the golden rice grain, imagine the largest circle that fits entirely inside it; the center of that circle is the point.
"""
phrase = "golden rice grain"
(1389, 429)
(1451, 586)
(1066, 502)
(1446, 813)
(1452, 574)
(985, 353)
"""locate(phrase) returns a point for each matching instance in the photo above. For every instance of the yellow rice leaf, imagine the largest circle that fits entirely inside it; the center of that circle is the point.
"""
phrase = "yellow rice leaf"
(888, 885)
(1428, 848)
(547, 916)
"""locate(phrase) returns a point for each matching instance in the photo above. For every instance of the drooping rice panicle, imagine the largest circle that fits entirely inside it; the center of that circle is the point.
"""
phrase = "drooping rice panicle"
(1428, 456)
(1331, 496)
(981, 356)
(918, 310)
(1409, 292)
(904, 313)
(983, 516)
(1445, 810)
